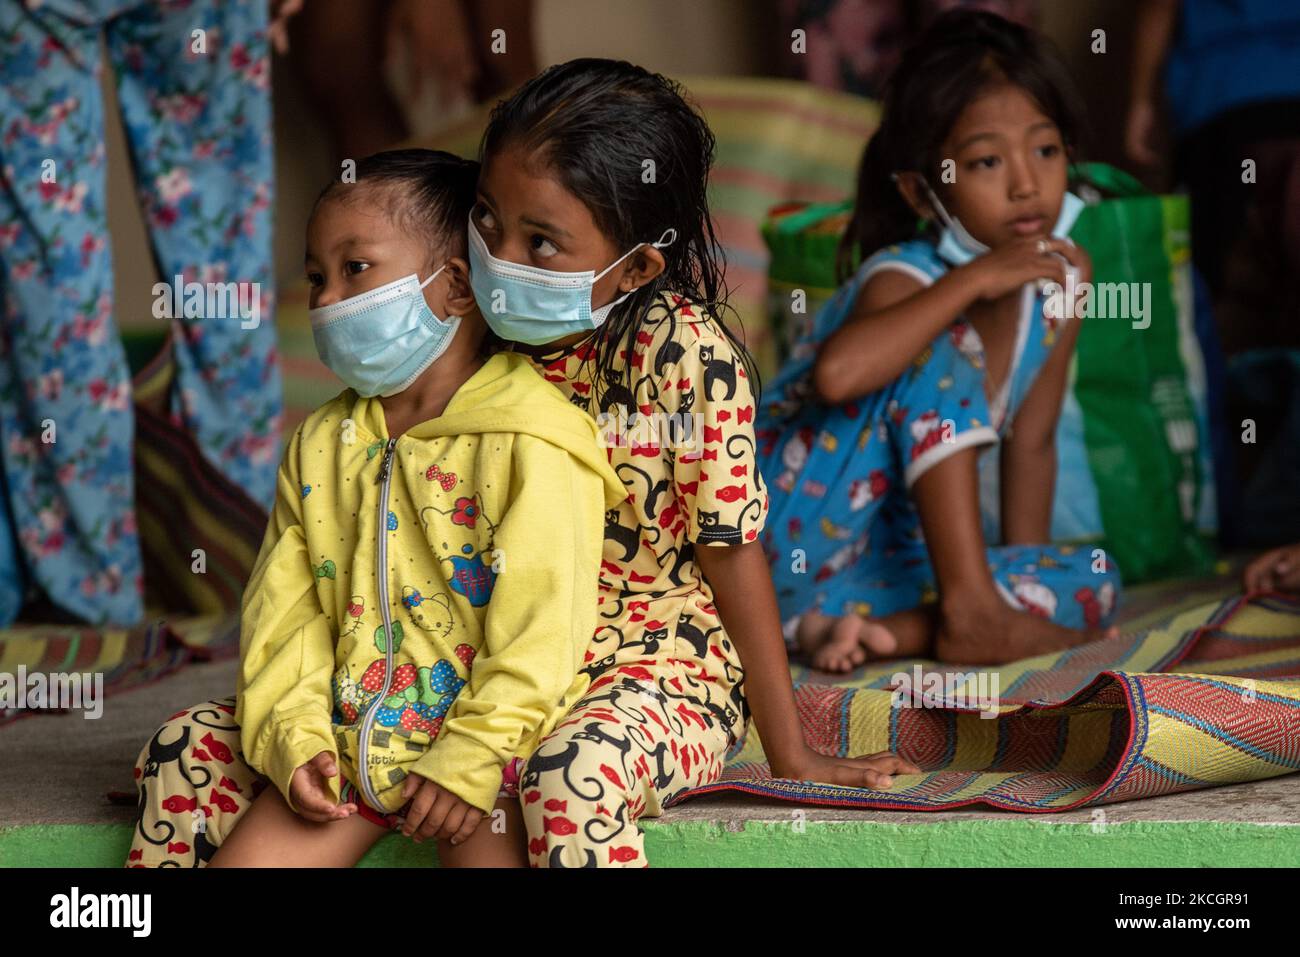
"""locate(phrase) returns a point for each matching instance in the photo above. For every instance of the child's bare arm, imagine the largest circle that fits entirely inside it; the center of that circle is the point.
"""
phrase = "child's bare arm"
(746, 602)
(1028, 465)
(896, 316)
(1028, 460)
(893, 320)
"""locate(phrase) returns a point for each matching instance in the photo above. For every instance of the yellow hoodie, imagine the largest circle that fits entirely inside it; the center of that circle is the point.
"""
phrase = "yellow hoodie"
(502, 497)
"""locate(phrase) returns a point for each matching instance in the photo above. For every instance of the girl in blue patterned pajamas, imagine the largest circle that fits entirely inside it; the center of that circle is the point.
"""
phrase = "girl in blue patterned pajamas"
(197, 119)
(936, 348)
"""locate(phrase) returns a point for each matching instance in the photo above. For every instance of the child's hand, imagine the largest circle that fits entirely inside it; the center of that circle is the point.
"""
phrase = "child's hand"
(872, 771)
(1277, 570)
(437, 812)
(277, 30)
(310, 795)
(1080, 260)
(1139, 131)
(1009, 267)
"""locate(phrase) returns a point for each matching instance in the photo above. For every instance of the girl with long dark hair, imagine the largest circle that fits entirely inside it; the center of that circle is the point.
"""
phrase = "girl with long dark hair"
(937, 346)
(592, 250)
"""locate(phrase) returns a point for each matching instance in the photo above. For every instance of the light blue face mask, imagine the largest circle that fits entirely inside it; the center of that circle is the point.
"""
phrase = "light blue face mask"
(534, 306)
(378, 342)
(957, 247)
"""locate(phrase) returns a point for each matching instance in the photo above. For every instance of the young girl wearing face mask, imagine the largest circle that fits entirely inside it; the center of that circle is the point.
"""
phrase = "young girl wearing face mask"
(591, 250)
(425, 594)
(937, 347)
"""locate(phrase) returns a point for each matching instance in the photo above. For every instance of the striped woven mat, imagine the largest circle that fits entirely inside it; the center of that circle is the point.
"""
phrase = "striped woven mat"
(1210, 696)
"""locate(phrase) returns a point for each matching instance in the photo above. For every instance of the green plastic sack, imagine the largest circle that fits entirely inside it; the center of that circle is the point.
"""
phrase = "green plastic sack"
(1141, 390)
(803, 239)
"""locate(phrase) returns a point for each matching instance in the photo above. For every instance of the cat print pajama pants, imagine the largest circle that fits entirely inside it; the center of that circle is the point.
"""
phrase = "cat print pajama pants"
(192, 79)
(644, 734)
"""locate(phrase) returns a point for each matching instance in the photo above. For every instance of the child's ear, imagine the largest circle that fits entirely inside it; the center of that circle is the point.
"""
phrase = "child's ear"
(642, 266)
(460, 294)
(911, 186)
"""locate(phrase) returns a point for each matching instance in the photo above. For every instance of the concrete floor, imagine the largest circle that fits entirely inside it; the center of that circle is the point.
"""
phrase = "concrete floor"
(57, 769)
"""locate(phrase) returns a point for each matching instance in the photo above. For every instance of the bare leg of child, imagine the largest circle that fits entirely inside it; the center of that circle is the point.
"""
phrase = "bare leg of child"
(270, 834)
(496, 842)
(976, 626)
(840, 644)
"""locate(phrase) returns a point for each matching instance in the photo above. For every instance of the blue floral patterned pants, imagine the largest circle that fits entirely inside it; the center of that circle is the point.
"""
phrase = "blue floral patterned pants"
(192, 79)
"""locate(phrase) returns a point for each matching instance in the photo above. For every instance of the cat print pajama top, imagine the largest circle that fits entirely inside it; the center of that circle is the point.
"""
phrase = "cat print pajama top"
(666, 699)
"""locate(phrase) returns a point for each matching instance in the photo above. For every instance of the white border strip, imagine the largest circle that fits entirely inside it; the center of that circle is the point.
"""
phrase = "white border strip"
(932, 457)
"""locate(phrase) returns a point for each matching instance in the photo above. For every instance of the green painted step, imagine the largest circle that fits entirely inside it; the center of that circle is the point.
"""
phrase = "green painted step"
(1011, 843)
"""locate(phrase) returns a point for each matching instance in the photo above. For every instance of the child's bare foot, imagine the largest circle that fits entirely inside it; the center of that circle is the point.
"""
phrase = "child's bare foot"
(996, 633)
(842, 644)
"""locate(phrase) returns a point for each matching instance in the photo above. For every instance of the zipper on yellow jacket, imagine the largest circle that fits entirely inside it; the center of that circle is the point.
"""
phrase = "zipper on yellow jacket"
(505, 671)
(381, 581)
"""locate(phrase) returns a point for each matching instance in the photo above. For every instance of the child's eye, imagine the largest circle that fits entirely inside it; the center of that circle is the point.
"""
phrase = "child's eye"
(355, 266)
(483, 216)
(543, 246)
(1048, 151)
(315, 279)
(984, 162)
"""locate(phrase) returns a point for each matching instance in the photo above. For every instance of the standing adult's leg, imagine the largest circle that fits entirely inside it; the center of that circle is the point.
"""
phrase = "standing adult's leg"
(337, 50)
(194, 84)
(65, 393)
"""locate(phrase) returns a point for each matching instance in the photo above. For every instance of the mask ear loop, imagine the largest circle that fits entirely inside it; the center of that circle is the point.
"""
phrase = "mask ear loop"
(663, 241)
(934, 200)
(660, 244)
(449, 320)
(947, 220)
(434, 276)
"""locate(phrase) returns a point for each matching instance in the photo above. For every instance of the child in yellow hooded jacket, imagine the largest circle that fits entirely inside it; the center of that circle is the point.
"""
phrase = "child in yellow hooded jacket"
(427, 586)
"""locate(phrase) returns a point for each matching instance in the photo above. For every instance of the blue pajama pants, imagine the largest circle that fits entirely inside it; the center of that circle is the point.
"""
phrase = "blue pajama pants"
(193, 83)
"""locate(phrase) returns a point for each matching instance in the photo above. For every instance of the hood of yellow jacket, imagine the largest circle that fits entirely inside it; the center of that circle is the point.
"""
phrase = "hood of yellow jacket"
(506, 395)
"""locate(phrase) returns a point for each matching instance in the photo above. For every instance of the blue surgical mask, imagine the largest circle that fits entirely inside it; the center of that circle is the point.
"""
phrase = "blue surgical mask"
(378, 342)
(534, 306)
(958, 247)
